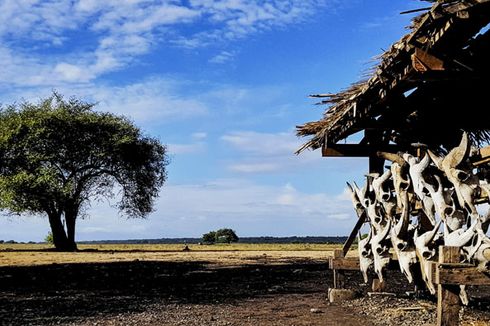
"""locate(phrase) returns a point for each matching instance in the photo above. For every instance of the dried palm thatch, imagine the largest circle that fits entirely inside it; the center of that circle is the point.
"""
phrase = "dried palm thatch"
(436, 72)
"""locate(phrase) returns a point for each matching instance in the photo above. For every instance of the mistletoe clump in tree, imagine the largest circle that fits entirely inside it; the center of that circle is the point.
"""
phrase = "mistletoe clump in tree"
(57, 155)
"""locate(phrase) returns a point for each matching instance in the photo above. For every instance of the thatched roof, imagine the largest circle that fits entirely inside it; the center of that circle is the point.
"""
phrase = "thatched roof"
(440, 70)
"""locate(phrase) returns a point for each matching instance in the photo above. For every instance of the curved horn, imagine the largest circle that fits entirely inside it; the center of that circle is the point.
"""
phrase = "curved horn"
(424, 162)
(466, 236)
(459, 153)
(350, 187)
(432, 233)
(401, 226)
(436, 159)
(391, 157)
(386, 231)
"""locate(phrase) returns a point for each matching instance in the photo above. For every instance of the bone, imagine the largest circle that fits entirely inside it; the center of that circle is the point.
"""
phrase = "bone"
(380, 245)
(464, 182)
(419, 183)
(405, 251)
(426, 252)
(366, 259)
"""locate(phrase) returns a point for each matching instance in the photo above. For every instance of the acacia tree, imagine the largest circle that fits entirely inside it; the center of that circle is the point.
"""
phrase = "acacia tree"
(226, 235)
(57, 155)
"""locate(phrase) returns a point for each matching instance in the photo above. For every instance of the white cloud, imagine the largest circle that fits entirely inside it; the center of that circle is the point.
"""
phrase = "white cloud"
(116, 32)
(186, 148)
(251, 209)
(266, 152)
(258, 143)
(199, 135)
(223, 57)
(149, 102)
(254, 167)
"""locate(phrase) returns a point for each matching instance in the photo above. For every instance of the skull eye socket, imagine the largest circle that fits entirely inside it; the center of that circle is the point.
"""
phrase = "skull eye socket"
(427, 254)
(401, 246)
(463, 176)
(448, 211)
(404, 185)
(365, 253)
(377, 219)
(379, 250)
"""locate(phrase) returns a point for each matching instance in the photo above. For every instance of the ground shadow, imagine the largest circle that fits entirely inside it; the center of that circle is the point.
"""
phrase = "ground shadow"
(70, 292)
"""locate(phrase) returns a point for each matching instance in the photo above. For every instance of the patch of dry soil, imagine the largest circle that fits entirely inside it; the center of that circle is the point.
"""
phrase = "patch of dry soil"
(202, 293)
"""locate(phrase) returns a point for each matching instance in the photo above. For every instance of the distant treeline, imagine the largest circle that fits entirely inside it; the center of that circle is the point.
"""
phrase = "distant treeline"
(338, 239)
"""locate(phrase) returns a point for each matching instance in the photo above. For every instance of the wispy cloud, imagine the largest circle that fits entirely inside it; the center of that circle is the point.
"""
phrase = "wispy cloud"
(223, 57)
(236, 203)
(280, 210)
(258, 143)
(266, 152)
(149, 102)
(186, 148)
(199, 135)
(116, 32)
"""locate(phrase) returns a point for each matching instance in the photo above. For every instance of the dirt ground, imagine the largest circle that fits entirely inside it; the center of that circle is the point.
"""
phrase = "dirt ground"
(206, 293)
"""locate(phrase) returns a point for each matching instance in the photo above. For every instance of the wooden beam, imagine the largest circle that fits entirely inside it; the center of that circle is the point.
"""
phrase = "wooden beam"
(423, 61)
(356, 150)
(466, 274)
(351, 264)
(482, 157)
(448, 295)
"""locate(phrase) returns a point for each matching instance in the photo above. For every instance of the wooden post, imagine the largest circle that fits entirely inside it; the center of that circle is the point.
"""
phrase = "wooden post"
(360, 221)
(448, 305)
(338, 275)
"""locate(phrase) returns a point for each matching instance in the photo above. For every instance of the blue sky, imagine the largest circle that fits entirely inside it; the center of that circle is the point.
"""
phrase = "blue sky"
(223, 84)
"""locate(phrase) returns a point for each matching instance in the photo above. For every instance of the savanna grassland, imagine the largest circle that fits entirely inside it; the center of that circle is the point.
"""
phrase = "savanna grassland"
(221, 254)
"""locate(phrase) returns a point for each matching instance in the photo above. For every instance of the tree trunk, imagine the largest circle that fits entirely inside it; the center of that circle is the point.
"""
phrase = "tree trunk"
(60, 240)
(70, 218)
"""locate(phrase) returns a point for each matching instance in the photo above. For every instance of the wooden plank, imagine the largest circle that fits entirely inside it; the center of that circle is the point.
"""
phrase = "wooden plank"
(338, 253)
(461, 274)
(350, 264)
(482, 157)
(448, 295)
(423, 61)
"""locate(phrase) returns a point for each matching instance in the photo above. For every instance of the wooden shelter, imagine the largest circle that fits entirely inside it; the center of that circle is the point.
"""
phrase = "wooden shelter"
(427, 89)
(433, 79)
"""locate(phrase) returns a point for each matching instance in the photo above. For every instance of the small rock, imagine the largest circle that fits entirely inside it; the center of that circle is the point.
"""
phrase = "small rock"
(315, 311)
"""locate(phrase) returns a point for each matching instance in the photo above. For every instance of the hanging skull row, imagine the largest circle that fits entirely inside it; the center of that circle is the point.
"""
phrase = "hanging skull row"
(418, 204)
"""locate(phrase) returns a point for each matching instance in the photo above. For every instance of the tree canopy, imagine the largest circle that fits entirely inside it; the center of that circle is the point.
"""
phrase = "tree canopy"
(58, 154)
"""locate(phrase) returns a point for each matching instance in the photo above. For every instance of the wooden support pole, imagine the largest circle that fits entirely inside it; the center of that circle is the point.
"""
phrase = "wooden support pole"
(360, 221)
(448, 305)
(338, 275)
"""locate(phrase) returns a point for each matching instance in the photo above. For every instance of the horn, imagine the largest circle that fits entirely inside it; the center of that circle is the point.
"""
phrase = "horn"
(436, 159)
(433, 233)
(424, 163)
(386, 230)
(466, 236)
(391, 157)
(350, 187)
(459, 153)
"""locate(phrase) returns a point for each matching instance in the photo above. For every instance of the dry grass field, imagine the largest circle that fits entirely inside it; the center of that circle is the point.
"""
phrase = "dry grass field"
(222, 254)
